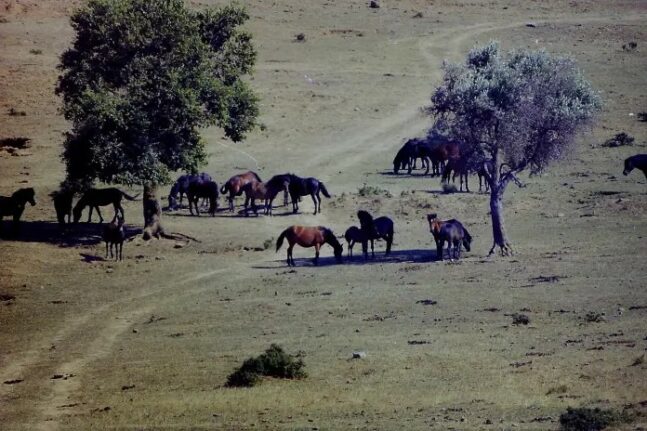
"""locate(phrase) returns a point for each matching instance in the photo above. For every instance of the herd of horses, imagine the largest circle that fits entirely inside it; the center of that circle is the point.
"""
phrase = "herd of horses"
(442, 157)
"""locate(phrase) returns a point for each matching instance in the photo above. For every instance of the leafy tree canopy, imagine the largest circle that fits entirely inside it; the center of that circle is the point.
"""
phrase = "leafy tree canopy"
(141, 79)
(522, 108)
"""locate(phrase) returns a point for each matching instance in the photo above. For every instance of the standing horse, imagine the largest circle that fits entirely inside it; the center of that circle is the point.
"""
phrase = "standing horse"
(372, 229)
(95, 198)
(181, 187)
(203, 189)
(265, 191)
(15, 205)
(306, 186)
(436, 226)
(353, 235)
(309, 236)
(63, 205)
(638, 161)
(234, 186)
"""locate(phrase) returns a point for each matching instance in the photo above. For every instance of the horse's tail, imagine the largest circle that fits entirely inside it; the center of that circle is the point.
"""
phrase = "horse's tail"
(224, 188)
(127, 196)
(279, 242)
(323, 189)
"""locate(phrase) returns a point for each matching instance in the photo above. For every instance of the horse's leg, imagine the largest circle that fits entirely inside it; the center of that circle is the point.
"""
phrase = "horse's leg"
(317, 247)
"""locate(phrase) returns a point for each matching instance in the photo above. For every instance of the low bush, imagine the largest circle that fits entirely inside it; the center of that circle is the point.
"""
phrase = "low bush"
(587, 419)
(275, 362)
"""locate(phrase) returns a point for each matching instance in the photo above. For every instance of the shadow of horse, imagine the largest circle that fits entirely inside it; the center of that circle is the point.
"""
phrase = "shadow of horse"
(68, 236)
(399, 256)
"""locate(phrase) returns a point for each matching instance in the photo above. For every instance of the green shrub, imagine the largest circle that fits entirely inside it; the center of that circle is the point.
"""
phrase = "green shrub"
(273, 363)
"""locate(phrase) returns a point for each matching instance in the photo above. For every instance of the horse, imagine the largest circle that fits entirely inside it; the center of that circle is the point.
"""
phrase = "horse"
(266, 191)
(181, 187)
(309, 236)
(457, 165)
(455, 235)
(372, 229)
(282, 179)
(94, 198)
(306, 186)
(234, 186)
(203, 189)
(114, 236)
(63, 205)
(15, 205)
(638, 161)
(435, 227)
(353, 235)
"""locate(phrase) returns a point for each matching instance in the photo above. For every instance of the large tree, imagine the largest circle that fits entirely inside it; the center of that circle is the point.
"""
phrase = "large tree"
(512, 112)
(139, 82)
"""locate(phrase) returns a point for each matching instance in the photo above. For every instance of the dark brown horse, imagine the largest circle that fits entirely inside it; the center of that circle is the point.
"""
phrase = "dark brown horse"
(436, 227)
(15, 205)
(234, 186)
(95, 198)
(203, 189)
(309, 236)
(372, 229)
(353, 235)
(639, 161)
(264, 191)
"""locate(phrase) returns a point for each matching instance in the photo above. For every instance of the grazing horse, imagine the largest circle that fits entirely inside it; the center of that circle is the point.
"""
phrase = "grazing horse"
(436, 226)
(353, 235)
(114, 236)
(265, 191)
(372, 229)
(455, 235)
(203, 189)
(457, 165)
(234, 186)
(638, 161)
(95, 198)
(181, 187)
(15, 205)
(63, 205)
(285, 180)
(306, 186)
(309, 236)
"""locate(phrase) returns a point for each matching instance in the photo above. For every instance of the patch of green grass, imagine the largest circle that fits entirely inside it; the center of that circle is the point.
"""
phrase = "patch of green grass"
(275, 362)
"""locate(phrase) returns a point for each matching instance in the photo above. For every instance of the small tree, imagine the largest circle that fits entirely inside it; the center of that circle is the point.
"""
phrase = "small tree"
(512, 112)
(141, 79)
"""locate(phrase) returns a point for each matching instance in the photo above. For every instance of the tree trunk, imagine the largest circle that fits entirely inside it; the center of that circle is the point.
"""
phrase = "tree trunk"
(152, 213)
(498, 227)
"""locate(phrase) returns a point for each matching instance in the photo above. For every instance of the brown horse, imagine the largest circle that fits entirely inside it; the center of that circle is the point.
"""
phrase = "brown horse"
(15, 205)
(451, 231)
(265, 191)
(234, 186)
(309, 236)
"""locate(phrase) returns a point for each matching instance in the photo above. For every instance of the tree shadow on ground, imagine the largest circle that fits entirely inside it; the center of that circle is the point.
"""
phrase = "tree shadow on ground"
(69, 235)
(396, 256)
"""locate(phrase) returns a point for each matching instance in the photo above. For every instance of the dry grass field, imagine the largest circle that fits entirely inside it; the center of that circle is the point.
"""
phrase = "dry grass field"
(147, 343)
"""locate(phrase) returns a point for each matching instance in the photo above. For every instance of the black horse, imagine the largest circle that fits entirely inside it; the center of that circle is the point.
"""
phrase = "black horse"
(203, 189)
(372, 229)
(95, 198)
(15, 205)
(454, 234)
(181, 187)
(306, 186)
(639, 161)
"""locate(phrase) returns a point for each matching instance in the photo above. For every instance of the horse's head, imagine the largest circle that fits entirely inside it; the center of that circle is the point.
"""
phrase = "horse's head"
(628, 166)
